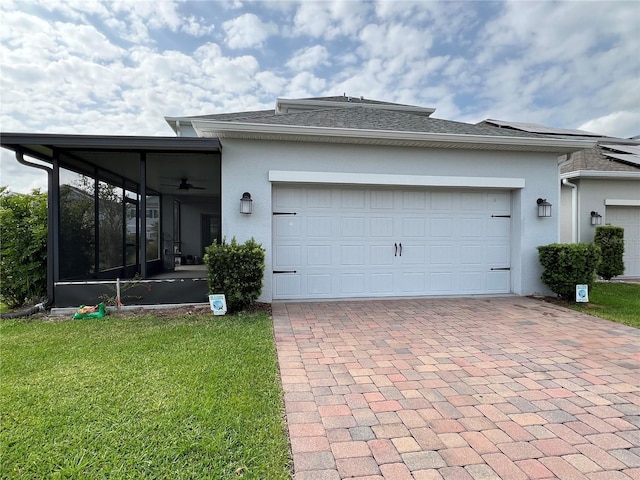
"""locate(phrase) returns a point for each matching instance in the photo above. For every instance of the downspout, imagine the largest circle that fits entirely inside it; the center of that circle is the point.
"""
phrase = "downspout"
(575, 234)
(50, 232)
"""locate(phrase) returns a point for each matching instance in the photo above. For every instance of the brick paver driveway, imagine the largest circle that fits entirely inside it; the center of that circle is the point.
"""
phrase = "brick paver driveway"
(482, 388)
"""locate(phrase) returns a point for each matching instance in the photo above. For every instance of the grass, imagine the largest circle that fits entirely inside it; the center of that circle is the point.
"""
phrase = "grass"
(191, 396)
(619, 302)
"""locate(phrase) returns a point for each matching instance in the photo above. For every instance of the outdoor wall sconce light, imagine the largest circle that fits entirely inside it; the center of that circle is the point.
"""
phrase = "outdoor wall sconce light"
(596, 218)
(544, 207)
(245, 203)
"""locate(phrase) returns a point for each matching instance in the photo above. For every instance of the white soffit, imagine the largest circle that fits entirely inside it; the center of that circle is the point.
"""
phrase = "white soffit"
(394, 180)
(622, 202)
(610, 174)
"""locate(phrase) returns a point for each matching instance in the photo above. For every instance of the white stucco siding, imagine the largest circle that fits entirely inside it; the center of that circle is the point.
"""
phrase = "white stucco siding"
(246, 166)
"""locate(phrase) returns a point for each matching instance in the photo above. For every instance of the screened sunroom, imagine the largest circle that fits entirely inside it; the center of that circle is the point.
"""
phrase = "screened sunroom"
(129, 217)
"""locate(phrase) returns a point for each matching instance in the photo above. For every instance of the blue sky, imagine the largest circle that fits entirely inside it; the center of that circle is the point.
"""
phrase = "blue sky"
(120, 66)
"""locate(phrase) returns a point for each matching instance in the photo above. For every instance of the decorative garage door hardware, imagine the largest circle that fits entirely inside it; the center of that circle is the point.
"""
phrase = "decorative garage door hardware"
(500, 268)
(500, 216)
(398, 245)
(285, 271)
(284, 213)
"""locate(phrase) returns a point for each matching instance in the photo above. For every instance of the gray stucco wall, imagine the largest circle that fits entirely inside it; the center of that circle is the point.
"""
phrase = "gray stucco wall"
(246, 165)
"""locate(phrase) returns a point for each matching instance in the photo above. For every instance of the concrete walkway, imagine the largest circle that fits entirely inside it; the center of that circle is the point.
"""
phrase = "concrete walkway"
(480, 388)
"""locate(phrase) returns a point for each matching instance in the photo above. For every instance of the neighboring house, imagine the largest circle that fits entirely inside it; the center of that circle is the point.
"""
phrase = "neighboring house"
(351, 198)
(599, 185)
(603, 182)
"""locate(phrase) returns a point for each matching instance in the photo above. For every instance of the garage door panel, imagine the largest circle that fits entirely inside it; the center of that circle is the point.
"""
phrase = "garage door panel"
(381, 255)
(353, 283)
(381, 227)
(319, 198)
(441, 227)
(441, 255)
(287, 286)
(319, 226)
(287, 256)
(382, 283)
(497, 281)
(382, 199)
(287, 198)
(345, 242)
(440, 201)
(471, 254)
(414, 200)
(497, 255)
(288, 226)
(413, 283)
(352, 227)
(412, 254)
(319, 284)
(318, 255)
(471, 227)
(414, 227)
(441, 282)
(352, 199)
(472, 281)
(353, 255)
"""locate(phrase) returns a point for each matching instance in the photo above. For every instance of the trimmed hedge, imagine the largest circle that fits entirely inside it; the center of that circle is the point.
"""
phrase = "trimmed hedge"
(568, 265)
(236, 270)
(611, 242)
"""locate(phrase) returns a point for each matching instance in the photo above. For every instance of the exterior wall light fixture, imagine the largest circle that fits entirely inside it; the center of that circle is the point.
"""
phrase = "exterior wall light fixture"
(596, 218)
(544, 207)
(246, 203)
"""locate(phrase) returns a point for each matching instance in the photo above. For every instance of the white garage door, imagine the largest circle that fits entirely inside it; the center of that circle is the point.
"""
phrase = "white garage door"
(336, 242)
(629, 219)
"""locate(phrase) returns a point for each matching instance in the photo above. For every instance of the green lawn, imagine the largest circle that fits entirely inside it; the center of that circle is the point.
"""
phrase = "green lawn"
(193, 396)
(619, 302)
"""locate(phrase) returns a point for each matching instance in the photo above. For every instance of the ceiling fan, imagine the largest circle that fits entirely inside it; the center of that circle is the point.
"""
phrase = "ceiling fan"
(185, 185)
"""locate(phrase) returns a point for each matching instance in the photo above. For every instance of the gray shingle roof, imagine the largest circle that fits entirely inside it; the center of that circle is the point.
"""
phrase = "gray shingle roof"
(370, 119)
(594, 159)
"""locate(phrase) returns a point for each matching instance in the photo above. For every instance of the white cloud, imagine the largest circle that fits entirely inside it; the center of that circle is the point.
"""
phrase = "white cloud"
(394, 41)
(329, 19)
(247, 31)
(618, 124)
(309, 58)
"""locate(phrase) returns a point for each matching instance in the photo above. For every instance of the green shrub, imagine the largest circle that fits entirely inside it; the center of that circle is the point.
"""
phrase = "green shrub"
(235, 270)
(568, 265)
(23, 247)
(611, 242)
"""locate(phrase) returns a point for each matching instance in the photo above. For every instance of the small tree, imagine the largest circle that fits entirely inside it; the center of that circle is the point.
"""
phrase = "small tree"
(611, 242)
(235, 270)
(568, 265)
(23, 247)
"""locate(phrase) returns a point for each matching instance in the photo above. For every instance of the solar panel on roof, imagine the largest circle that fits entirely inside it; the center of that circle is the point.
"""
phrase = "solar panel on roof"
(535, 128)
(625, 157)
(633, 149)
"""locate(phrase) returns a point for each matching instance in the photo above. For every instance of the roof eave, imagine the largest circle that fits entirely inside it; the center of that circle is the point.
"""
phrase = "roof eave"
(208, 128)
(114, 142)
(605, 174)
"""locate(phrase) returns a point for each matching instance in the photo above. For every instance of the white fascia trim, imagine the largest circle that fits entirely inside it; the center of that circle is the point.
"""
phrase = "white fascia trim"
(209, 128)
(394, 180)
(600, 174)
(328, 104)
(621, 202)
